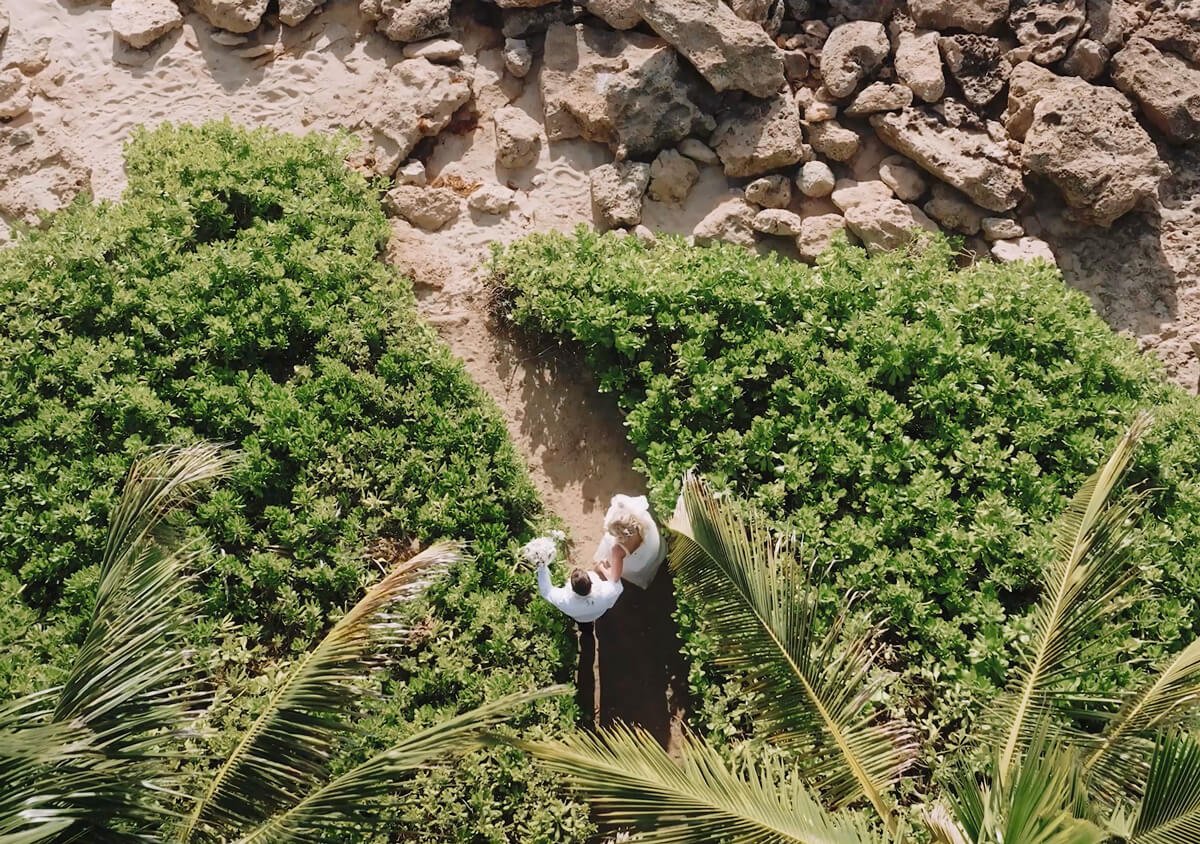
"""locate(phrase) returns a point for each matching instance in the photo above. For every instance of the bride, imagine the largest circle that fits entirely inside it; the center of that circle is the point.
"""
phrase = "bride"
(631, 537)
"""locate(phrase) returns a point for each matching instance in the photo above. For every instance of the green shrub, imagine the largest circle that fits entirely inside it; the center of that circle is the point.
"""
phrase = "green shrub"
(235, 294)
(917, 424)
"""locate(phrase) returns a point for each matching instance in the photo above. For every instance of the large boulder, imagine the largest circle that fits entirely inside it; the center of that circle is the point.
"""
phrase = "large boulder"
(139, 23)
(408, 20)
(1027, 84)
(1085, 140)
(626, 90)
(964, 156)
(971, 15)
(918, 64)
(412, 100)
(887, 223)
(852, 52)
(232, 15)
(617, 192)
(758, 136)
(1165, 85)
(977, 64)
(1046, 28)
(729, 52)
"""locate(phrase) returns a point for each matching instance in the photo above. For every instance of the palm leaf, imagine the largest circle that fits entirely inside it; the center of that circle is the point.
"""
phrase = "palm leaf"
(1122, 758)
(815, 689)
(632, 782)
(1082, 588)
(1170, 810)
(82, 756)
(348, 798)
(284, 753)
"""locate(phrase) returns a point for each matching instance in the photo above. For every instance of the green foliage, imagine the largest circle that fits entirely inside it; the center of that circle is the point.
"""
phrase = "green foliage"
(919, 425)
(235, 295)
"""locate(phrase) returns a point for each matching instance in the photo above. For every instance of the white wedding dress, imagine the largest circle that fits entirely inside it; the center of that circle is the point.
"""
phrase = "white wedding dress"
(642, 565)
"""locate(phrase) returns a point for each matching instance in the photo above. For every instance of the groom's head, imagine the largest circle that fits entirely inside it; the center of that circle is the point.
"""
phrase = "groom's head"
(581, 584)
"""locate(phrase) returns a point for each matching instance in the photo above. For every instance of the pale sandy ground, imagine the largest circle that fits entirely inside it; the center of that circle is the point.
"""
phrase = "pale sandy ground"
(1142, 274)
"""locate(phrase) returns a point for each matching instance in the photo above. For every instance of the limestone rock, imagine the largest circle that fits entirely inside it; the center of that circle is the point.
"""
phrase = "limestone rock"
(619, 14)
(39, 172)
(833, 140)
(409, 20)
(293, 12)
(795, 66)
(232, 15)
(963, 156)
(139, 23)
(953, 210)
(899, 174)
(492, 199)
(816, 109)
(1046, 28)
(777, 221)
(773, 191)
(880, 96)
(817, 233)
(439, 50)
(849, 193)
(426, 208)
(1085, 140)
(1027, 85)
(972, 15)
(518, 58)
(3, 22)
(1086, 59)
(1112, 22)
(977, 64)
(1022, 249)
(1171, 33)
(412, 100)
(758, 136)
(411, 173)
(518, 138)
(672, 176)
(732, 222)
(887, 224)
(815, 179)
(1165, 86)
(15, 99)
(617, 191)
(851, 54)
(863, 10)
(626, 90)
(729, 52)
(918, 64)
(697, 150)
(766, 13)
(1000, 228)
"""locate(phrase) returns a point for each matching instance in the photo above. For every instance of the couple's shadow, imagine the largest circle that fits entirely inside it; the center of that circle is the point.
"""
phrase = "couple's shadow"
(642, 675)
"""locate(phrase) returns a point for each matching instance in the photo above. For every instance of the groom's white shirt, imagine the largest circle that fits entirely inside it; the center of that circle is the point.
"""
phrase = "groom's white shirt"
(582, 608)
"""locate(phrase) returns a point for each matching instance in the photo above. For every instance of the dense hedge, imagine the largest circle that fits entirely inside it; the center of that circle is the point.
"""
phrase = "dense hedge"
(235, 294)
(919, 424)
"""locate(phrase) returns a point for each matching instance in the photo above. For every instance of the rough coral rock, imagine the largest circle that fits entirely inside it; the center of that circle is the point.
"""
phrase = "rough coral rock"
(518, 137)
(880, 96)
(899, 174)
(972, 15)
(492, 199)
(672, 176)
(139, 23)
(1086, 59)
(518, 58)
(39, 172)
(293, 12)
(697, 150)
(15, 98)
(918, 64)
(232, 15)
(626, 90)
(408, 20)
(1000, 228)
(619, 14)
(977, 64)
(758, 136)
(887, 223)
(732, 221)
(1165, 86)
(1022, 249)
(729, 52)
(849, 193)
(1047, 28)
(953, 210)
(618, 190)
(777, 221)
(851, 54)
(426, 208)
(1084, 139)
(816, 179)
(963, 156)
(774, 191)
(833, 140)
(817, 233)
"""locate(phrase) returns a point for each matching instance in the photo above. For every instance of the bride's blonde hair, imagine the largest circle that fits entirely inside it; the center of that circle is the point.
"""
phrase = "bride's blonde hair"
(624, 525)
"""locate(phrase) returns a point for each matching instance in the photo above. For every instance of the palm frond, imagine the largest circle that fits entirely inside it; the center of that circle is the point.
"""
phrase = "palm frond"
(1082, 588)
(632, 782)
(815, 688)
(284, 753)
(1170, 810)
(347, 799)
(1119, 764)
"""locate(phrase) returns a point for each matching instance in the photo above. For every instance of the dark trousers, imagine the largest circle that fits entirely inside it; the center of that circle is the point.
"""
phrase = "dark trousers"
(585, 681)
